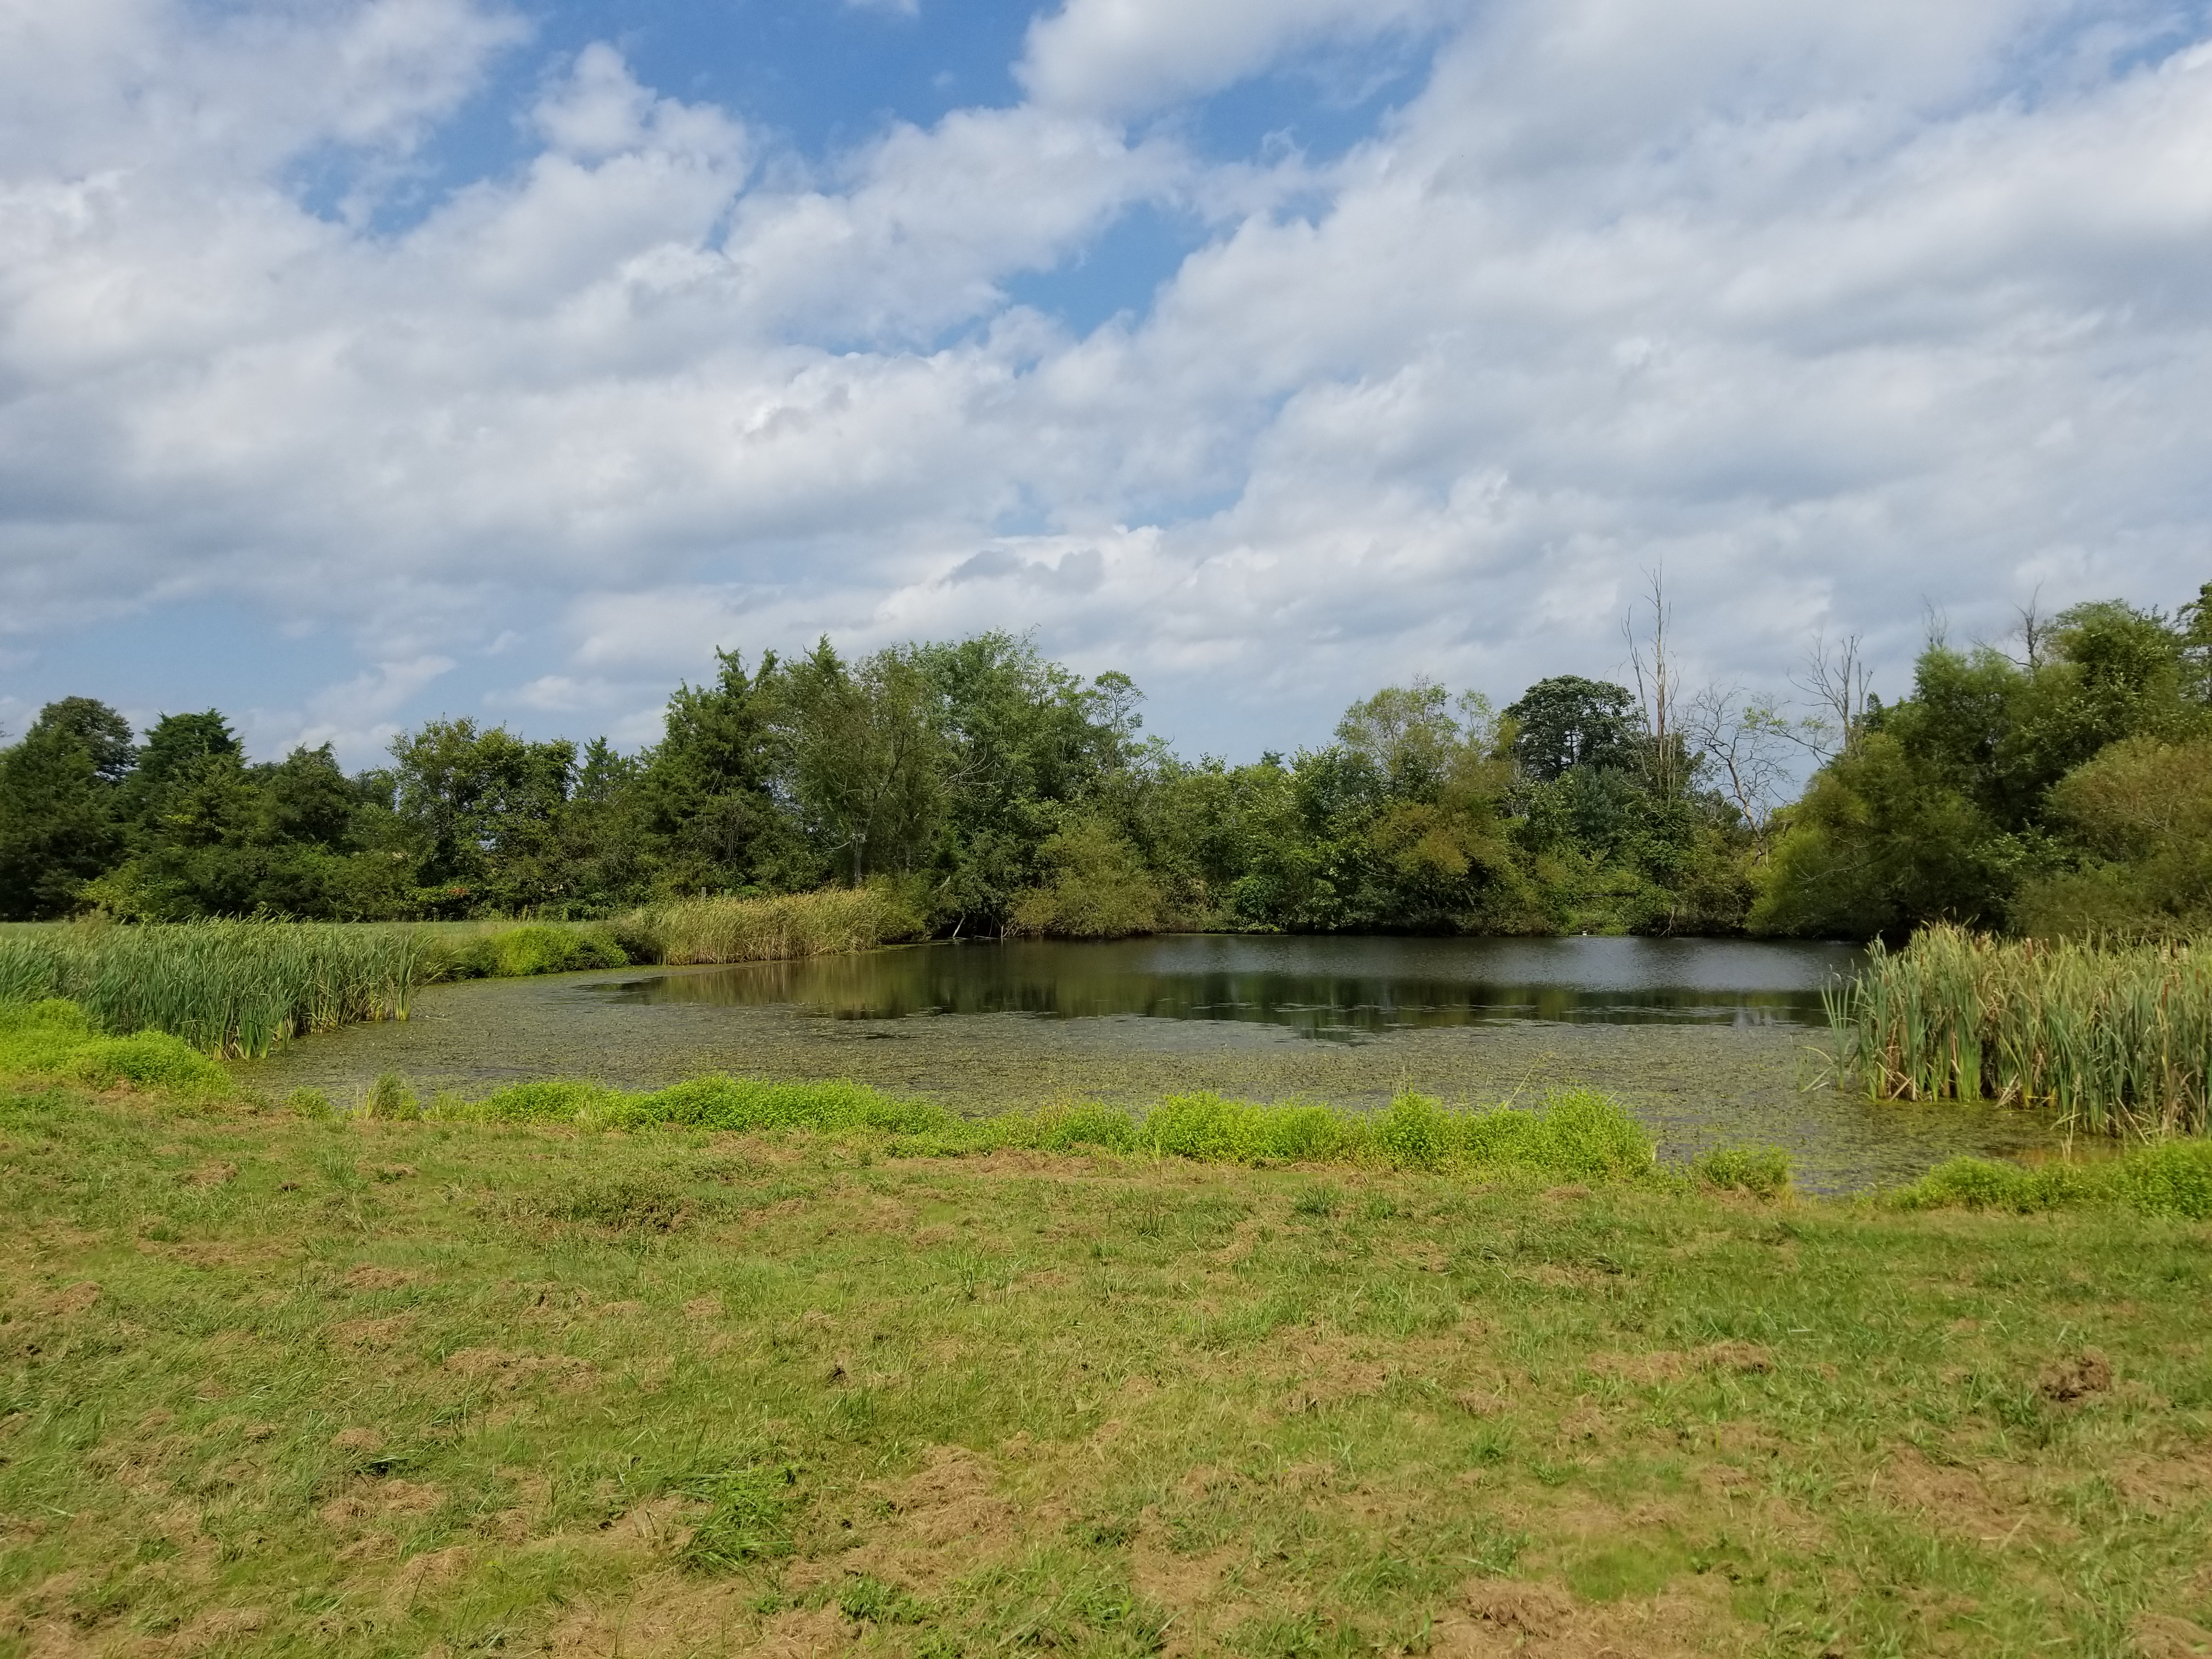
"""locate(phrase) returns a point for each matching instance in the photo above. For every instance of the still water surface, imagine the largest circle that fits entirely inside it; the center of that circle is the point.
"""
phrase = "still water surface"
(1709, 1042)
(1334, 989)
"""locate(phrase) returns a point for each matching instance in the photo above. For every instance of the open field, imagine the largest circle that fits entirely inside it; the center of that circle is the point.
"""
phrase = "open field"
(442, 1387)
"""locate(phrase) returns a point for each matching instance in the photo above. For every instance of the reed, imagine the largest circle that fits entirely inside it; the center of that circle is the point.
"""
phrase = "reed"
(235, 990)
(2107, 1039)
(711, 930)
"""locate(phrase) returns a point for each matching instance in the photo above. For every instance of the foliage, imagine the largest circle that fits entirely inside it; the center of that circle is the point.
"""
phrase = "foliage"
(54, 1037)
(997, 791)
(1761, 1172)
(1096, 886)
(2068, 791)
(779, 928)
(225, 987)
(2059, 793)
(1575, 1134)
(2110, 1039)
(2171, 1179)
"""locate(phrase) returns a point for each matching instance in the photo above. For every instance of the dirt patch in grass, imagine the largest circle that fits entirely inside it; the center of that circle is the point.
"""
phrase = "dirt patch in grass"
(2162, 1636)
(371, 1335)
(365, 1279)
(2076, 1377)
(1499, 1617)
(940, 1521)
(1673, 1365)
(665, 1613)
(506, 1371)
(1990, 1503)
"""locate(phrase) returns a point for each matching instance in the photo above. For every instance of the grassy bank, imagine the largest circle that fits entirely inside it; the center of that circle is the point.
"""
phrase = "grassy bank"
(240, 988)
(2107, 1040)
(371, 1387)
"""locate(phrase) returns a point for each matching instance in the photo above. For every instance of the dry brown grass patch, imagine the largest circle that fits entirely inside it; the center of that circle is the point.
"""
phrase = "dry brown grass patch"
(1502, 1617)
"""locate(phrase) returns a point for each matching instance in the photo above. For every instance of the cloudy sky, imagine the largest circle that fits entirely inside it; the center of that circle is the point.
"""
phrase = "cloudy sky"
(363, 361)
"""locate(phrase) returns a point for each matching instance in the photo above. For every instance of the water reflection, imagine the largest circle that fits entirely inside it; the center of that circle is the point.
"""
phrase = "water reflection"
(1339, 990)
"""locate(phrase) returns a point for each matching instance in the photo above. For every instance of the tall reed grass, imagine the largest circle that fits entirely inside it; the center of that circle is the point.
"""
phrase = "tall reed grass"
(710, 930)
(2108, 1040)
(229, 988)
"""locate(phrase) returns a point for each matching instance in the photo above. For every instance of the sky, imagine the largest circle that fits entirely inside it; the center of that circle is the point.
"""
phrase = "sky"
(364, 361)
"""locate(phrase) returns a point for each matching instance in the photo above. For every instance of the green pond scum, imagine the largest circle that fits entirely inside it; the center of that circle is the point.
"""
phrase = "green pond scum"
(758, 1368)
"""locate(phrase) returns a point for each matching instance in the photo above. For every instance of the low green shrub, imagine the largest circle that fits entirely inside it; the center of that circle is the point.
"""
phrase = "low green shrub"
(1761, 1172)
(2174, 1179)
(55, 1038)
(2171, 1179)
(390, 1100)
(1577, 1134)
(312, 1103)
(535, 948)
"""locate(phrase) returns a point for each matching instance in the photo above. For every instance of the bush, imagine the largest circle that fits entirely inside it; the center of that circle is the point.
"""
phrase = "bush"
(538, 948)
(391, 1101)
(311, 1104)
(2172, 1179)
(1099, 888)
(55, 1038)
(1762, 1171)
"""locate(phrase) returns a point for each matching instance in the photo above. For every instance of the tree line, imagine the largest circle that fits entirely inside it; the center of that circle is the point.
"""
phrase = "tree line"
(2067, 785)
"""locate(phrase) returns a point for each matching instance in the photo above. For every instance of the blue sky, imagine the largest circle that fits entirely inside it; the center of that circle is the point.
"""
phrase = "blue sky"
(367, 361)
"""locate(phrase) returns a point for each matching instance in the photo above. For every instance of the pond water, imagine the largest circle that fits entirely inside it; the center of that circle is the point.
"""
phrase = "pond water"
(1345, 990)
(1711, 1042)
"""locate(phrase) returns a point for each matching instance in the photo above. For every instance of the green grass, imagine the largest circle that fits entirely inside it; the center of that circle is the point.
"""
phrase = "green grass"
(238, 989)
(2106, 1039)
(1575, 1134)
(362, 1387)
(772, 929)
(226, 988)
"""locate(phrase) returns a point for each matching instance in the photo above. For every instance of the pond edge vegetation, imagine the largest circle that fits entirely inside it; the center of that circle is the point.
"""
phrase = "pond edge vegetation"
(1573, 1137)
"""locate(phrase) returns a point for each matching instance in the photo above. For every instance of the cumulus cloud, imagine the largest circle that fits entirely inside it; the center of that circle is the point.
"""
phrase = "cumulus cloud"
(1825, 310)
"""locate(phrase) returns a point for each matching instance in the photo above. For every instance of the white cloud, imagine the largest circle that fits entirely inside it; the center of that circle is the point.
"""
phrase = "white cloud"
(1131, 57)
(1827, 309)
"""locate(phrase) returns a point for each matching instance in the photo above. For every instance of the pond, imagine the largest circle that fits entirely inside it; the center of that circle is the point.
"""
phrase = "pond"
(1709, 1041)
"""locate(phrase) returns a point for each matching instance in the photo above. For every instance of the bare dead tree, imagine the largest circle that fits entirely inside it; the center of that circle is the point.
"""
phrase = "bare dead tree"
(1750, 746)
(1836, 678)
(1655, 690)
(2034, 631)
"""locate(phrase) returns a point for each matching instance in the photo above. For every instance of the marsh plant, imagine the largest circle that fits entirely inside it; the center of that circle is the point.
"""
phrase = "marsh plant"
(2106, 1039)
(238, 989)
(230, 989)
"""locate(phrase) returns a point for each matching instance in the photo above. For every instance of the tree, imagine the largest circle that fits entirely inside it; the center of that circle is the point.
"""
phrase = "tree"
(1567, 721)
(59, 827)
(866, 753)
(1748, 747)
(706, 791)
(484, 810)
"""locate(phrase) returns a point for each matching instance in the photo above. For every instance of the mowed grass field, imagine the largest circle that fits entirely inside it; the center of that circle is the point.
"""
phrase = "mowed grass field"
(359, 1388)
